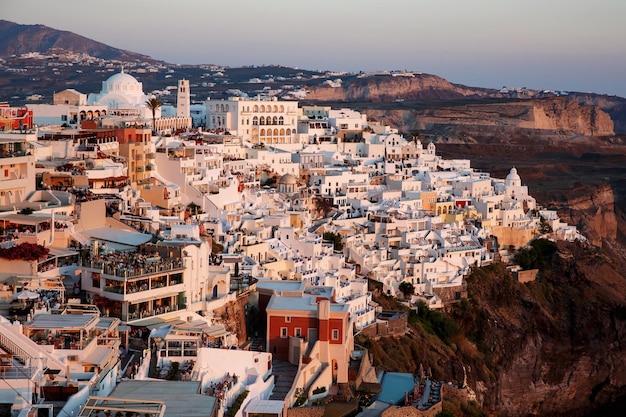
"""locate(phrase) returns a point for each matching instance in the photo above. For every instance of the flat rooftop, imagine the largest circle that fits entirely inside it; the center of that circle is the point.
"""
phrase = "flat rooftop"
(181, 398)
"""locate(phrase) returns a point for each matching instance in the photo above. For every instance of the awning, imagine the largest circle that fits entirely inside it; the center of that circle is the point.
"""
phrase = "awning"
(99, 356)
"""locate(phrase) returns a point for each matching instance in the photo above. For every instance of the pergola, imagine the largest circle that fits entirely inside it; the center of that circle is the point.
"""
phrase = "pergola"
(74, 326)
(37, 283)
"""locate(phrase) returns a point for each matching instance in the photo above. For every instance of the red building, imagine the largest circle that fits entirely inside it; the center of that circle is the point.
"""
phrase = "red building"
(15, 118)
(305, 321)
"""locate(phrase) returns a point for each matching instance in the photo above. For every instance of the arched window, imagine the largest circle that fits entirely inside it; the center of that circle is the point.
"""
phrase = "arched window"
(255, 121)
(288, 132)
(262, 132)
(275, 132)
(275, 120)
(281, 120)
(262, 109)
(275, 108)
(227, 108)
(282, 108)
(255, 108)
(262, 120)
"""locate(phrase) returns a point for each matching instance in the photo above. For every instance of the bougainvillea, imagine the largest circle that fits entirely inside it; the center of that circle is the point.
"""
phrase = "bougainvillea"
(25, 252)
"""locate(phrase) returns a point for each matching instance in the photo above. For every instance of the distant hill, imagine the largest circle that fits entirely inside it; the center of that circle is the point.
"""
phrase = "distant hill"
(16, 39)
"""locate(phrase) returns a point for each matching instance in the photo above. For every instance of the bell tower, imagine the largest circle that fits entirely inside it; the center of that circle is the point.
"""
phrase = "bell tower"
(182, 100)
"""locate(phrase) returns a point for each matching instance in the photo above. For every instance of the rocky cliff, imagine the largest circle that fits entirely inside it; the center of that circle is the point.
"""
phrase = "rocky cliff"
(389, 88)
(591, 209)
(554, 347)
(559, 115)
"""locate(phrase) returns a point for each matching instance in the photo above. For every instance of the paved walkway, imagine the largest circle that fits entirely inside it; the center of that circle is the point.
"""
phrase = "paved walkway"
(284, 375)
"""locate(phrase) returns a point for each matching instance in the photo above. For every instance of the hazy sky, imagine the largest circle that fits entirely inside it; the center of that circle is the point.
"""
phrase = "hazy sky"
(577, 45)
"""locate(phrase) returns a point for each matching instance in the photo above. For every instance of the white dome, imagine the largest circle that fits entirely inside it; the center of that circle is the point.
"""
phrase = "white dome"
(122, 91)
(513, 178)
(122, 78)
(122, 83)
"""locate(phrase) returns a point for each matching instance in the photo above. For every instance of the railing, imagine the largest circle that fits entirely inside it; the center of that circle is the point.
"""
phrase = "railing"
(128, 271)
(136, 315)
(24, 349)
(14, 154)
(18, 372)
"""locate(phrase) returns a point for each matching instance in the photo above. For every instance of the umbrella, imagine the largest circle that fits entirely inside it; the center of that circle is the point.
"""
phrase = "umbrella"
(26, 295)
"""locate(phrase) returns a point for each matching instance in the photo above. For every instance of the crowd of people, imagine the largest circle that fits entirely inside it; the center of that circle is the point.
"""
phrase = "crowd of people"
(135, 263)
(220, 388)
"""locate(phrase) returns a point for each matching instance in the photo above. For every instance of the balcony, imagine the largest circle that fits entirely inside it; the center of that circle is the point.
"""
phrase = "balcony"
(121, 270)
(8, 153)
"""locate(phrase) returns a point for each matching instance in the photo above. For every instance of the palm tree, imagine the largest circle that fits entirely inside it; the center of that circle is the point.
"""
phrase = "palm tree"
(154, 104)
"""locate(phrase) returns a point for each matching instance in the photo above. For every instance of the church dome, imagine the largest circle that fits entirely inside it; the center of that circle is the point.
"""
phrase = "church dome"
(287, 179)
(122, 83)
(122, 78)
(513, 178)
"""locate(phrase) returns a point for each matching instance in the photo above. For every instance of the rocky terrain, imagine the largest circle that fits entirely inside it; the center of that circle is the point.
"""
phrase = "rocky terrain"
(551, 115)
(388, 88)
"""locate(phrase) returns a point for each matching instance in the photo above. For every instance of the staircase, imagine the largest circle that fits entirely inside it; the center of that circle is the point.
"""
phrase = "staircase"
(154, 360)
(25, 350)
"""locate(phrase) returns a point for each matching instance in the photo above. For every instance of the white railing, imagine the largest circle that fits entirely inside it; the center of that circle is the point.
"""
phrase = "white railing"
(25, 350)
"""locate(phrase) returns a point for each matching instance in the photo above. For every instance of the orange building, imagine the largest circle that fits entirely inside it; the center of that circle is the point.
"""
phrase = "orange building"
(15, 118)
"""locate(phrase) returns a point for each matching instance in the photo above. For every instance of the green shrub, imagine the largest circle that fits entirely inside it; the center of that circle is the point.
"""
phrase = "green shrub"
(232, 410)
(319, 390)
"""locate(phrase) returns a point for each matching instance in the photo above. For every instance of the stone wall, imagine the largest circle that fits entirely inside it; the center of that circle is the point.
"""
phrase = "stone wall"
(232, 316)
(306, 412)
(513, 236)
(452, 393)
(387, 324)
(451, 294)
(527, 276)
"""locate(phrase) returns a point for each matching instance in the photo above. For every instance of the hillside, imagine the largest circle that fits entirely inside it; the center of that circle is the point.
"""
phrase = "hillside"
(387, 88)
(16, 39)
(548, 348)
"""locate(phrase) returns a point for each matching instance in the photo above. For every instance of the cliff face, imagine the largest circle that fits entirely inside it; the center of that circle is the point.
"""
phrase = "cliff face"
(553, 347)
(389, 88)
(591, 209)
(556, 114)
(556, 345)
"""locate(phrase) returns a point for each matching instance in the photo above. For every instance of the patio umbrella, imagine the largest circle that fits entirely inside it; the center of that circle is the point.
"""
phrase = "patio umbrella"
(25, 295)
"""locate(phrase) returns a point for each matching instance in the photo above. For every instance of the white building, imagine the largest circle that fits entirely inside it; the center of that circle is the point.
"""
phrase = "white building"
(256, 121)
(123, 95)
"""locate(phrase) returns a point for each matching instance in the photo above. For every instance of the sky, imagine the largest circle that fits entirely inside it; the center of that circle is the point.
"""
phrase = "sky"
(571, 45)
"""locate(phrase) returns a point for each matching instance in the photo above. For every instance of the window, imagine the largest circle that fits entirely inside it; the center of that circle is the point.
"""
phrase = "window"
(298, 332)
(335, 334)
(283, 332)
(288, 319)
